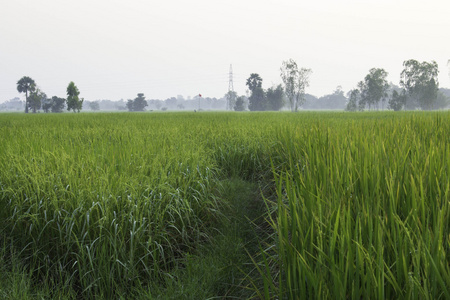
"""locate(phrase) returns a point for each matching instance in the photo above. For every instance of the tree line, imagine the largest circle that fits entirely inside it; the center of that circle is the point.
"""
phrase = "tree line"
(419, 89)
(36, 99)
(292, 92)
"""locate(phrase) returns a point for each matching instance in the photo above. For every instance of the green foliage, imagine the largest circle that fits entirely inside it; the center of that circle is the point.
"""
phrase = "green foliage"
(397, 101)
(111, 206)
(275, 98)
(47, 105)
(257, 101)
(240, 104)
(74, 103)
(260, 100)
(334, 101)
(353, 100)
(24, 85)
(421, 83)
(138, 104)
(373, 89)
(254, 82)
(95, 106)
(130, 105)
(295, 83)
(220, 269)
(58, 104)
(362, 209)
(442, 101)
(102, 202)
(36, 98)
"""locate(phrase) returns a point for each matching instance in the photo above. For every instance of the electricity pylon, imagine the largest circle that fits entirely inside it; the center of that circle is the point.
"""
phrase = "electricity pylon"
(230, 95)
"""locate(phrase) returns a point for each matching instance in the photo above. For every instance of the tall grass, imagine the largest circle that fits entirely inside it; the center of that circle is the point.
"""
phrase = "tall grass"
(104, 202)
(104, 205)
(363, 208)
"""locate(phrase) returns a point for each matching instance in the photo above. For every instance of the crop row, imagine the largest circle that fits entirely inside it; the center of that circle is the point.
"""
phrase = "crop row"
(358, 203)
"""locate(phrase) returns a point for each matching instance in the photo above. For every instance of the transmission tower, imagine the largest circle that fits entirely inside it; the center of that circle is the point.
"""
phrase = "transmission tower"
(230, 95)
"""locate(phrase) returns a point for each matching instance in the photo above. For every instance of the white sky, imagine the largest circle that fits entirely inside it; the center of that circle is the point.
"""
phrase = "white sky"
(115, 49)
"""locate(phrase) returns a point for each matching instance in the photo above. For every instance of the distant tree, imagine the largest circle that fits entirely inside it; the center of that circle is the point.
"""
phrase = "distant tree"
(172, 102)
(374, 88)
(257, 101)
(362, 99)
(47, 105)
(295, 83)
(336, 100)
(444, 91)
(74, 103)
(430, 95)
(275, 97)
(54, 104)
(353, 99)
(130, 105)
(442, 101)
(231, 97)
(138, 104)
(254, 82)
(240, 104)
(158, 104)
(25, 85)
(120, 105)
(13, 104)
(58, 104)
(35, 100)
(311, 102)
(421, 83)
(397, 101)
(95, 106)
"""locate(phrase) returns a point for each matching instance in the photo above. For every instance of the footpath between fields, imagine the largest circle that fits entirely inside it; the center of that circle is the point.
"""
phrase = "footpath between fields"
(223, 267)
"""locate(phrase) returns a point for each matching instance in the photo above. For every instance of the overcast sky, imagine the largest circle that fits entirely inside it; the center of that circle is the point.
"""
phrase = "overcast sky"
(115, 49)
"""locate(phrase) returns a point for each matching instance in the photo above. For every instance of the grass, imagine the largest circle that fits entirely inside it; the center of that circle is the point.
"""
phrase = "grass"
(160, 205)
(98, 202)
(363, 209)
(220, 268)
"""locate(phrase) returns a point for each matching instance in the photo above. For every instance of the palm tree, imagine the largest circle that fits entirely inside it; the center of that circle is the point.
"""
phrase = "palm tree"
(254, 81)
(24, 85)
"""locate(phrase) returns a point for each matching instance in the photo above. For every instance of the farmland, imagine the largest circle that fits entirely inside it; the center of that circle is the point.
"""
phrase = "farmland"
(345, 205)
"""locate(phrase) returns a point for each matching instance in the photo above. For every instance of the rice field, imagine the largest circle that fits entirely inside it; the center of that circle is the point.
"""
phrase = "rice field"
(107, 205)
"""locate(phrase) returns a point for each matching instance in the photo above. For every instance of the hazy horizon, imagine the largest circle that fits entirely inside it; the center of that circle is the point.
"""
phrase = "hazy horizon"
(116, 49)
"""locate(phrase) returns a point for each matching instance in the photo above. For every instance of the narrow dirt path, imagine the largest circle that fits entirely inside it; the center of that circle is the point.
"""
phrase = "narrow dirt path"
(220, 268)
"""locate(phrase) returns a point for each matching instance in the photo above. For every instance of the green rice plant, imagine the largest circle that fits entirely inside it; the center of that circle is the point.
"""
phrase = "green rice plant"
(108, 205)
(363, 208)
(103, 202)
